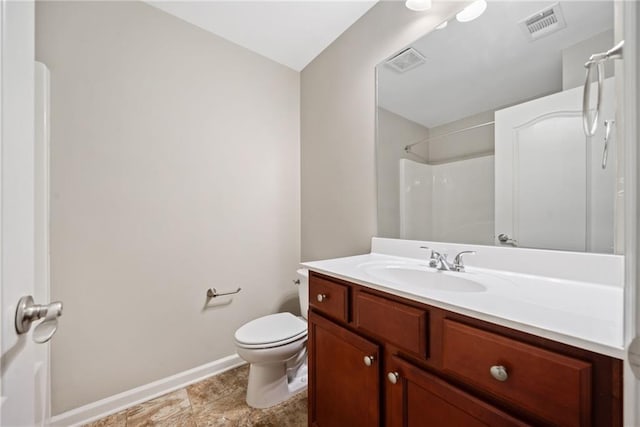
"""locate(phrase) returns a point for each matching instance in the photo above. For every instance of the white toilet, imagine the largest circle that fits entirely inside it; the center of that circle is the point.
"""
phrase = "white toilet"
(276, 347)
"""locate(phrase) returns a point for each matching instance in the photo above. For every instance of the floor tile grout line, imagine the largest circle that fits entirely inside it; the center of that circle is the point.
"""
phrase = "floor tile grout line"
(193, 415)
(244, 420)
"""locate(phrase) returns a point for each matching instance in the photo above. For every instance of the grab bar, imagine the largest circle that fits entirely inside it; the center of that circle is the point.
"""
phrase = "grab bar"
(596, 60)
(608, 124)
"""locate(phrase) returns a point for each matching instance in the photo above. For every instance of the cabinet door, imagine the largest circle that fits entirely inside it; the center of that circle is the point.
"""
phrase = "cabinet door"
(344, 377)
(417, 399)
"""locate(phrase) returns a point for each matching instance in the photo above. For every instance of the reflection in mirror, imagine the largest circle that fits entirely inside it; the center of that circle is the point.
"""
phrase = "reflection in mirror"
(480, 137)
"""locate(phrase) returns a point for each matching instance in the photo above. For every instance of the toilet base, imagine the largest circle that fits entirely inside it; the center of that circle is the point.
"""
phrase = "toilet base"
(269, 384)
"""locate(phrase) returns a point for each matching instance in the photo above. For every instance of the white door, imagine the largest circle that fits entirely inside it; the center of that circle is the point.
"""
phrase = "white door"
(551, 189)
(23, 221)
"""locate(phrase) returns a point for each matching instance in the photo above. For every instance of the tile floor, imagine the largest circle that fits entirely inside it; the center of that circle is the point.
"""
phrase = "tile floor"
(216, 401)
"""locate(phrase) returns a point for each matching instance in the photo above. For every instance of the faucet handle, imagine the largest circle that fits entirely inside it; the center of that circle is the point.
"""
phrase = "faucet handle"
(433, 256)
(457, 261)
(434, 253)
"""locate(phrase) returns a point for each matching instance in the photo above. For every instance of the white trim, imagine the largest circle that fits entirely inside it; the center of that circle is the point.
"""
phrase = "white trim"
(42, 286)
(116, 403)
(3, 396)
(631, 18)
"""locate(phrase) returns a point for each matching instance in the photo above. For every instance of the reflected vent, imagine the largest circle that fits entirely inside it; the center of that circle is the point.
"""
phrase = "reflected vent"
(406, 60)
(543, 23)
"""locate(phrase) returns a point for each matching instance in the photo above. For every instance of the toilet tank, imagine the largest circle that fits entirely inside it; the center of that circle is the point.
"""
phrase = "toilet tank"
(303, 291)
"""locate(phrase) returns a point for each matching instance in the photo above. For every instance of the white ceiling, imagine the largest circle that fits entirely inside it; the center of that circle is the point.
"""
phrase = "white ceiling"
(292, 33)
(488, 63)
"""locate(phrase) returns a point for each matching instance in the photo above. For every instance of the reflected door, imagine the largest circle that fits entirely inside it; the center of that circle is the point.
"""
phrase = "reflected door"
(551, 191)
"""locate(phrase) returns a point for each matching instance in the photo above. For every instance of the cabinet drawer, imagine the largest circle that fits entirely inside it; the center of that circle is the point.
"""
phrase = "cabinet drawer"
(394, 322)
(417, 398)
(329, 297)
(554, 387)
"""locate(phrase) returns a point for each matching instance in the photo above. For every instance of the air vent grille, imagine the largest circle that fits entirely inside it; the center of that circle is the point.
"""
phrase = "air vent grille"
(543, 23)
(540, 23)
(406, 60)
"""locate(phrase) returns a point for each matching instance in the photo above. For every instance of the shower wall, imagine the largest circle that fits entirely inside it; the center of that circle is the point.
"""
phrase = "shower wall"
(450, 202)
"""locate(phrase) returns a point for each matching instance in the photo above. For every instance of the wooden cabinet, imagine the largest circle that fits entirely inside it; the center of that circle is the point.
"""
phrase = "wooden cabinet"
(392, 322)
(376, 359)
(329, 298)
(556, 387)
(344, 376)
(418, 399)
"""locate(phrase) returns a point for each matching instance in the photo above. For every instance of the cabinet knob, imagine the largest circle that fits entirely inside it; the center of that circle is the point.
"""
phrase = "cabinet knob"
(499, 372)
(393, 377)
(321, 297)
(368, 360)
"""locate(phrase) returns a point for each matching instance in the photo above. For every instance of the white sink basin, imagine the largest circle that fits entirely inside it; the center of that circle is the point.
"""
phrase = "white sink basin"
(402, 273)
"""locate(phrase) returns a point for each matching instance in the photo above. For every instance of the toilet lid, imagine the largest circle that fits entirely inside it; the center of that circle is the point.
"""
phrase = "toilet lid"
(270, 329)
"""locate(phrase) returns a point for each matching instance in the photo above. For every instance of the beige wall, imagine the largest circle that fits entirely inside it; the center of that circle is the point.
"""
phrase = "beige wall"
(174, 168)
(574, 57)
(467, 144)
(394, 133)
(338, 128)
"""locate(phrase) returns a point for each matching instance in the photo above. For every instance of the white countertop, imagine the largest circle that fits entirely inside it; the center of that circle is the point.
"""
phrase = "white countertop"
(575, 312)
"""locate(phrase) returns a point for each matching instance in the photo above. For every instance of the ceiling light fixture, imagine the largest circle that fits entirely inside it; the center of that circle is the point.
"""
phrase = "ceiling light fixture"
(472, 11)
(443, 25)
(418, 5)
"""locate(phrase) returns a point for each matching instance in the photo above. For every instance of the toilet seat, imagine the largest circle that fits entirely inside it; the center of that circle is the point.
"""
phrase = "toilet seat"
(271, 331)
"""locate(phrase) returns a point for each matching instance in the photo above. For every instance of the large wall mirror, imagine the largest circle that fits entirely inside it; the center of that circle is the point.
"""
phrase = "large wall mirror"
(480, 137)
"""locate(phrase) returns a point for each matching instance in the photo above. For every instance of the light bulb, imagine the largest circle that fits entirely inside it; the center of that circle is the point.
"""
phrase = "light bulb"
(472, 11)
(418, 5)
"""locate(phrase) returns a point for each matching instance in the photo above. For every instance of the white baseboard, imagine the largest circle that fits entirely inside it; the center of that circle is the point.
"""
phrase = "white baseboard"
(111, 405)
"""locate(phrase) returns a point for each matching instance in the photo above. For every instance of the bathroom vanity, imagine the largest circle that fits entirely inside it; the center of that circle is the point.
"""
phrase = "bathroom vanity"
(385, 352)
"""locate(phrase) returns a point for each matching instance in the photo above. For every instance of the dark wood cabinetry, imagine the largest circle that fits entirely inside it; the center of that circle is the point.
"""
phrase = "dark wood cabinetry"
(376, 359)
(344, 376)
(416, 399)
(392, 322)
(556, 387)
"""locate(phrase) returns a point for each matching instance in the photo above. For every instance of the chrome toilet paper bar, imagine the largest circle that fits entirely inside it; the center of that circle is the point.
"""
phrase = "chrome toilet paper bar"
(212, 293)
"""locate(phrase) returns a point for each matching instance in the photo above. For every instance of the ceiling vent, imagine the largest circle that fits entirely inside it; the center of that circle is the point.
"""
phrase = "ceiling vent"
(543, 23)
(406, 60)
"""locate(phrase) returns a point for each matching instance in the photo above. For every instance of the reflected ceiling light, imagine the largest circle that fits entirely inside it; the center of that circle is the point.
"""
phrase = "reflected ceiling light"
(443, 25)
(472, 11)
(418, 5)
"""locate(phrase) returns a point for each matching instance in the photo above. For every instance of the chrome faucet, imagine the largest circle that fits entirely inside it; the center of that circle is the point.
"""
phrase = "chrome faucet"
(457, 261)
(440, 261)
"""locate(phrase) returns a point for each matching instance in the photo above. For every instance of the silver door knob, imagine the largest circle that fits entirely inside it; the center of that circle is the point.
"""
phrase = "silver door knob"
(321, 297)
(368, 360)
(505, 239)
(499, 372)
(28, 312)
(393, 377)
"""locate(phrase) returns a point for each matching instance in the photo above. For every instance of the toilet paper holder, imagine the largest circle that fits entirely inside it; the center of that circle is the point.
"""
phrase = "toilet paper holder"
(212, 293)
